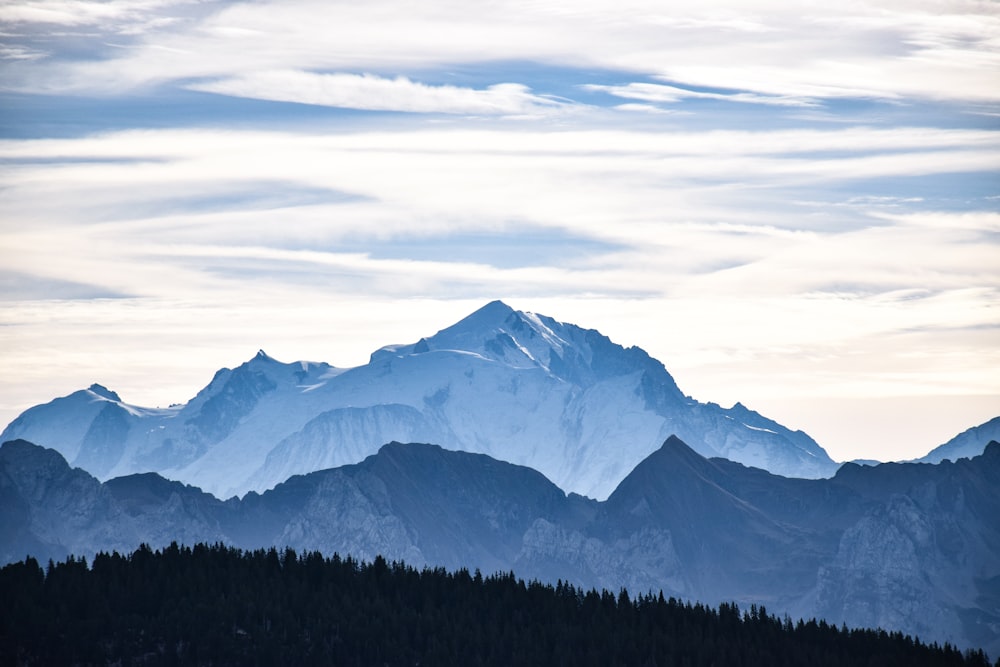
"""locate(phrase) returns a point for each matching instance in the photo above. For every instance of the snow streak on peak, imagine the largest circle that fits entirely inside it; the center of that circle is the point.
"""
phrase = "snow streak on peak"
(497, 332)
(538, 324)
(104, 392)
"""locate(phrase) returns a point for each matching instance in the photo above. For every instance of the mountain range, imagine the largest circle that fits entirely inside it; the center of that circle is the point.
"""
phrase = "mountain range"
(517, 386)
(910, 547)
(557, 453)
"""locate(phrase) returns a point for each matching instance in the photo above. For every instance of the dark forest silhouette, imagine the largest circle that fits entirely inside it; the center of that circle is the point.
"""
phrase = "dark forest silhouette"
(217, 605)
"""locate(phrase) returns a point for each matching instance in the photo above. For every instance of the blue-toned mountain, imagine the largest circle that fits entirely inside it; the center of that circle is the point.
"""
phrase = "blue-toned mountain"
(910, 547)
(966, 444)
(518, 386)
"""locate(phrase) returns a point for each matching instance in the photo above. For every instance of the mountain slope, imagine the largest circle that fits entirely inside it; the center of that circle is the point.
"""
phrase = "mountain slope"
(966, 444)
(909, 547)
(50, 510)
(710, 518)
(517, 386)
(420, 503)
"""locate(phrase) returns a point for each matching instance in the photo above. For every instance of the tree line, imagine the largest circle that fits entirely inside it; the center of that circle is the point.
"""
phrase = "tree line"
(217, 605)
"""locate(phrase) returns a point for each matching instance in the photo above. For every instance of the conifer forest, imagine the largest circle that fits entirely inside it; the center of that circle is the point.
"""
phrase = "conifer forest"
(216, 605)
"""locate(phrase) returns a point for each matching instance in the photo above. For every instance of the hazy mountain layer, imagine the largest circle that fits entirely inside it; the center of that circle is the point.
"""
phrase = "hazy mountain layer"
(911, 547)
(966, 444)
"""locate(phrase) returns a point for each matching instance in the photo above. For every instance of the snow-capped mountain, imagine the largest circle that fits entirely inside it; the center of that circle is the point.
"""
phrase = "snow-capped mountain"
(256, 404)
(518, 386)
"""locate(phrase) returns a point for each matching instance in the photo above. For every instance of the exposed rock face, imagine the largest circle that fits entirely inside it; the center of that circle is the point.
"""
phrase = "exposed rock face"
(517, 386)
(879, 575)
(104, 442)
(50, 509)
(926, 555)
(642, 561)
(909, 547)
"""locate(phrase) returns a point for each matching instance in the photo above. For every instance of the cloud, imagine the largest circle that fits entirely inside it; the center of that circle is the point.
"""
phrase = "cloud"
(986, 222)
(20, 53)
(111, 16)
(770, 52)
(708, 213)
(655, 92)
(644, 108)
(30, 287)
(374, 93)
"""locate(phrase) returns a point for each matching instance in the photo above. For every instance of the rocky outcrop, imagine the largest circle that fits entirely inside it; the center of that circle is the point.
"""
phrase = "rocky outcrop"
(52, 510)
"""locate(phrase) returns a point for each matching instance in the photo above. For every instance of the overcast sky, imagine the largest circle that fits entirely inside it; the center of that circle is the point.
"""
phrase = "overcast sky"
(795, 205)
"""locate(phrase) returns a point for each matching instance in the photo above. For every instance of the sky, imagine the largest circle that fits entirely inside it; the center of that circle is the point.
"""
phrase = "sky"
(794, 205)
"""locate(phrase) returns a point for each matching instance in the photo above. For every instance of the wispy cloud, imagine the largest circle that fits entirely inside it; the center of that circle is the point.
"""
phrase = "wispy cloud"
(80, 12)
(20, 53)
(728, 210)
(768, 52)
(375, 93)
(985, 222)
(656, 92)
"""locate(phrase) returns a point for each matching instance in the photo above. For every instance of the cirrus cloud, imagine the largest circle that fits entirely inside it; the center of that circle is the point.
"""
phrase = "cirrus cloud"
(375, 93)
(765, 51)
(656, 92)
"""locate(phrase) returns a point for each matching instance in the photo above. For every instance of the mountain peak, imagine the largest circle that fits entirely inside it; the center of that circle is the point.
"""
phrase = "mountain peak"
(19, 445)
(104, 392)
(524, 340)
(678, 452)
(493, 314)
(673, 443)
(21, 453)
(992, 450)
(495, 331)
(496, 305)
(262, 356)
(674, 459)
(467, 335)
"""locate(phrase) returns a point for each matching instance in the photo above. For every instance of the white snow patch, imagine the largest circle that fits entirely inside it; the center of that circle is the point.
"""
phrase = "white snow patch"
(548, 334)
(524, 350)
(464, 353)
(757, 428)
